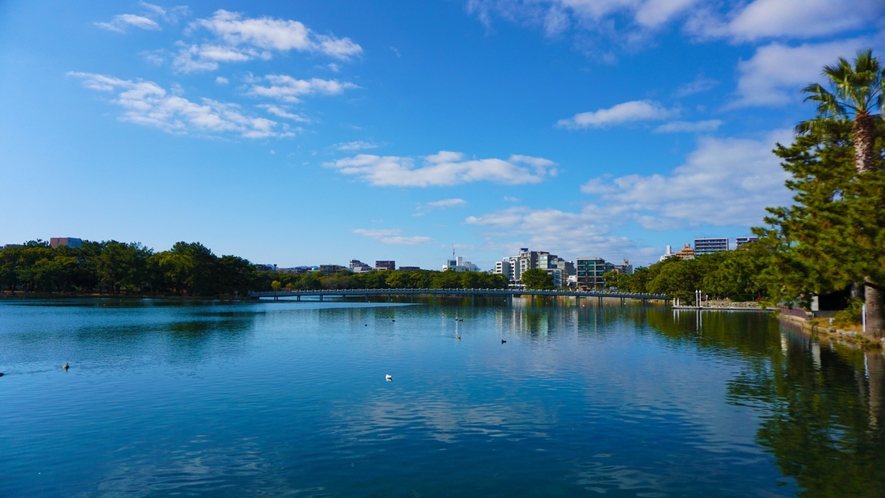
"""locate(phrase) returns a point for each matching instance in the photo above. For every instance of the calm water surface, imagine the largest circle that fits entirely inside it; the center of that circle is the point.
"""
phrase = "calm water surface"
(285, 398)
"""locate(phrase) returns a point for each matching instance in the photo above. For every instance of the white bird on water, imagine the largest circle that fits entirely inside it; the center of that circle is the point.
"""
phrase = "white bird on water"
(388, 377)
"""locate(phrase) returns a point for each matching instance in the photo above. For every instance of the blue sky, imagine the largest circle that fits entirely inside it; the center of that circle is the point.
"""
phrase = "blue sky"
(303, 132)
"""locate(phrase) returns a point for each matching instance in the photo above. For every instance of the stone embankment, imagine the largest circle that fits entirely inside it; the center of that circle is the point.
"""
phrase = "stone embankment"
(822, 327)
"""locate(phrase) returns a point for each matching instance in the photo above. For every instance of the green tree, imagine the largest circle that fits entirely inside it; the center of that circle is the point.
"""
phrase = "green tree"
(676, 278)
(190, 268)
(832, 236)
(639, 280)
(537, 279)
(449, 279)
(856, 96)
(617, 280)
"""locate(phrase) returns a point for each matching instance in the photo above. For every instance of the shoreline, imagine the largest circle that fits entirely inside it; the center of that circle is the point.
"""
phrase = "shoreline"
(847, 337)
(95, 295)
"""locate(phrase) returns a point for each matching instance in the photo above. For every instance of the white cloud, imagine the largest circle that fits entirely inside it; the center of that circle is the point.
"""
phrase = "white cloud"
(283, 113)
(699, 85)
(599, 26)
(121, 22)
(155, 57)
(724, 182)
(689, 126)
(799, 19)
(654, 13)
(170, 15)
(776, 73)
(289, 89)
(208, 56)
(148, 104)
(238, 39)
(568, 234)
(444, 168)
(392, 237)
(636, 110)
(148, 19)
(221, 80)
(355, 145)
(447, 203)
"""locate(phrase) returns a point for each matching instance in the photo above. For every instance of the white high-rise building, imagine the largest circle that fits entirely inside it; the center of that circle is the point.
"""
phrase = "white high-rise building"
(513, 267)
(459, 264)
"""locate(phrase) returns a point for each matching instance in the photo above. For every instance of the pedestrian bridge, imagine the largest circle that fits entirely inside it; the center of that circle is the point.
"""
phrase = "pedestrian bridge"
(507, 294)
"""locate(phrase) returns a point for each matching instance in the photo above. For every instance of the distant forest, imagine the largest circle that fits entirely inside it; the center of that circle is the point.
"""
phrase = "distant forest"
(190, 269)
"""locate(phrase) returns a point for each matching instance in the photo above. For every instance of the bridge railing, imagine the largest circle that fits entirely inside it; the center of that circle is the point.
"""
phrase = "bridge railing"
(502, 292)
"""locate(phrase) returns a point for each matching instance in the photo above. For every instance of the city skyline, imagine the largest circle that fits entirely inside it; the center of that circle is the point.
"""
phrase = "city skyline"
(291, 134)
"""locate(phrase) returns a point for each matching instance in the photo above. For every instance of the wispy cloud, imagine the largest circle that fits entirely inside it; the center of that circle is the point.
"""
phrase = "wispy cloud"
(444, 168)
(447, 203)
(392, 236)
(355, 145)
(689, 126)
(148, 104)
(237, 39)
(627, 112)
(283, 113)
(699, 85)
(602, 26)
(147, 20)
(288, 89)
(122, 22)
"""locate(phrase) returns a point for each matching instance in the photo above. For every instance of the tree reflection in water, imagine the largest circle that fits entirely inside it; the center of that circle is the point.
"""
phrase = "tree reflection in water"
(822, 404)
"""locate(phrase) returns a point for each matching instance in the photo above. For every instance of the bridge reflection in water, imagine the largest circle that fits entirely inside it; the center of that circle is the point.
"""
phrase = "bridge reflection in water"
(506, 294)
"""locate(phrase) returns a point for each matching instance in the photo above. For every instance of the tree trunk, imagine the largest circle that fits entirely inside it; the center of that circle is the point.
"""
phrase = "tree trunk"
(875, 310)
(864, 134)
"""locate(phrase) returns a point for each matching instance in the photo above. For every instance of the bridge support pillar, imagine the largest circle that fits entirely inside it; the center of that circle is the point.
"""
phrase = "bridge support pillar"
(623, 301)
(321, 297)
(388, 298)
(599, 301)
(298, 298)
(276, 297)
(366, 297)
(533, 300)
(472, 300)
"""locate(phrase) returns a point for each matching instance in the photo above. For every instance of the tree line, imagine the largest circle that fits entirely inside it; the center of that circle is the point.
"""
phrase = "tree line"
(189, 269)
(739, 275)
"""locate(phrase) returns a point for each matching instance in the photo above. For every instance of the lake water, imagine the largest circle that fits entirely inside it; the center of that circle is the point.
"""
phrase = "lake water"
(290, 399)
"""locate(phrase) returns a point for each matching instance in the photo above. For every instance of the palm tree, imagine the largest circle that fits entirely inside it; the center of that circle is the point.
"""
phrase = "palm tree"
(857, 95)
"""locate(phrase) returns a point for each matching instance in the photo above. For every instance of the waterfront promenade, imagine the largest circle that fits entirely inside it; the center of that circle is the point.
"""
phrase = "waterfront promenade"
(507, 294)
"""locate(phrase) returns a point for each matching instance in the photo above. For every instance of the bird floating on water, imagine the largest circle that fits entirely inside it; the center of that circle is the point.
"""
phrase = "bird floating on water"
(503, 341)
(1, 374)
(458, 337)
(66, 367)
(388, 377)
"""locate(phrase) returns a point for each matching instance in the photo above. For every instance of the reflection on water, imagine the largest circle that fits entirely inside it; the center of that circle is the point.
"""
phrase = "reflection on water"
(215, 398)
